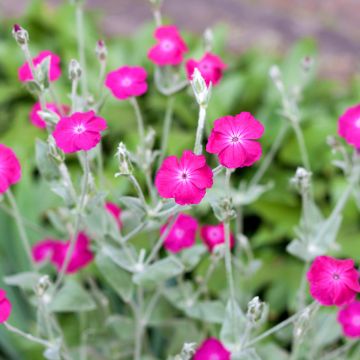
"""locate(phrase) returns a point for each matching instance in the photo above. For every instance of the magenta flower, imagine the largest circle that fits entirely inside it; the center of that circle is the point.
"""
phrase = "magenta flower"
(115, 211)
(10, 170)
(5, 307)
(127, 81)
(186, 179)
(349, 318)
(210, 66)
(80, 131)
(213, 235)
(333, 281)
(349, 126)
(170, 47)
(182, 234)
(210, 349)
(37, 120)
(55, 251)
(232, 139)
(54, 71)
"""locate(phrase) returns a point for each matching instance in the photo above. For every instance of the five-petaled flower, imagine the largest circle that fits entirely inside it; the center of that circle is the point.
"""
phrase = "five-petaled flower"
(232, 139)
(214, 235)
(80, 131)
(38, 121)
(5, 307)
(10, 170)
(333, 281)
(127, 82)
(185, 179)
(182, 234)
(349, 318)
(55, 251)
(115, 211)
(170, 47)
(210, 66)
(212, 348)
(25, 73)
(349, 126)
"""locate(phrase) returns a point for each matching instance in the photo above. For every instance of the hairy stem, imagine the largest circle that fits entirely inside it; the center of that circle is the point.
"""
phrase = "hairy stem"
(139, 119)
(200, 130)
(300, 139)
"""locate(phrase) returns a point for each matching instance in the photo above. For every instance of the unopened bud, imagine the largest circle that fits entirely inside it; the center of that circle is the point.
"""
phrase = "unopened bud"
(275, 75)
(208, 39)
(74, 70)
(101, 50)
(125, 167)
(201, 90)
(20, 35)
(42, 285)
(307, 63)
(187, 352)
(150, 138)
(256, 310)
(302, 179)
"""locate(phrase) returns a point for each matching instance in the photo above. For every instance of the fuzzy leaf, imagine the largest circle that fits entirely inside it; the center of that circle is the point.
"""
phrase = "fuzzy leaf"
(25, 280)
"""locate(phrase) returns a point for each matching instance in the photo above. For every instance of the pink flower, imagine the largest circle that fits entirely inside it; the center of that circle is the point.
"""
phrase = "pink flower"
(80, 131)
(349, 126)
(212, 349)
(170, 47)
(210, 66)
(333, 281)
(37, 120)
(5, 307)
(54, 72)
(213, 235)
(10, 170)
(349, 318)
(127, 82)
(182, 234)
(115, 211)
(232, 139)
(185, 180)
(55, 251)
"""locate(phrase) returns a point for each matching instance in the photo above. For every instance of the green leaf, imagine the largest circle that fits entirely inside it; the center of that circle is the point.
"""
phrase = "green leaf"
(25, 280)
(212, 311)
(192, 256)
(123, 326)
(120, 257)
(72, 298)
(45, 163)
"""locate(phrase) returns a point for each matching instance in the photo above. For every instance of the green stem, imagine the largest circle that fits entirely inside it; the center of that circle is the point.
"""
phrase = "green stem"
(200, 130)
(139, 331)
(302, 288)
(20, 226)
(138, 190)
(139, 119)
(300, 139)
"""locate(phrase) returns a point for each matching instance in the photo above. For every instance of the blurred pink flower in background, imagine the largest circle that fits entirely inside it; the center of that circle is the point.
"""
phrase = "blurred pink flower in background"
(210, 66)
(170, 47)
(10, 169)
(185, 179)
(182, 234)
(232, 139)
(212, 349)
(37, 120)
(5, 307)
(349, 126)
(54, 70)
(115, 211)
(127, 81)
(333, 281)
(349, 318)
(213, 235)
(80, 131)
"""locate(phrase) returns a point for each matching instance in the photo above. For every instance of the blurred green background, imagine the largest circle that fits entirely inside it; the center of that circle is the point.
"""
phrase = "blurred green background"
(269, 222)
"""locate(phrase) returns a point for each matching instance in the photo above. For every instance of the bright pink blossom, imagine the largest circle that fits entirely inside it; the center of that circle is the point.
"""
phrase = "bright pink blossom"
(349, 126)
(182, 234)
(333, 281)
(212, 349)
(115, 211)
(37, 120)
(213, 235)
(232, 139)
(80, 131)
(10, 170)
(5, 307)
(210, 66)
(170, 47)
(185, 179)
(54, 71)
(55, 251)
(349, 318)
(127, 81)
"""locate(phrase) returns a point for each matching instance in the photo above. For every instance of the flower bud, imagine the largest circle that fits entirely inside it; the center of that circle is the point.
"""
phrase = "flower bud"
(42, 285)
(101, 50)
(307, 63)
(256, 310)
(201, 91)
(74, 70)
(208, 39)
(125, 167)
(187, 352)
(20, 35)
(275, 75)
(302, 179)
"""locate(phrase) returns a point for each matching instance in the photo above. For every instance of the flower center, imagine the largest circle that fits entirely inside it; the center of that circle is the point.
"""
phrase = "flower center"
(179, 233)
(357, 123)
(167, 45)
(356, 320)
(336, 276)
(234, 139)
(214, 234)
(184, 175)
(79, 129)
(126, 82)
